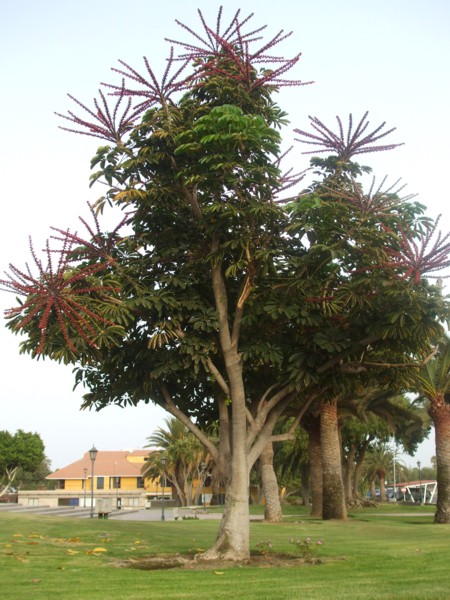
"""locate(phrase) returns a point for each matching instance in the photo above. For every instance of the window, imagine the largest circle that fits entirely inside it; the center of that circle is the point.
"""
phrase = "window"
(140, 482)
(100, 483)
(114, 483)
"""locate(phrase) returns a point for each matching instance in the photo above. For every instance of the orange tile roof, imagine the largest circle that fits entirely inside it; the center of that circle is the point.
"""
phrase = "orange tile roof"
(107, 464)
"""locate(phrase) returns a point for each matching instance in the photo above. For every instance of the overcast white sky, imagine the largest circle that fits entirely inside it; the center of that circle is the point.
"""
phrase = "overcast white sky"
(390, 57)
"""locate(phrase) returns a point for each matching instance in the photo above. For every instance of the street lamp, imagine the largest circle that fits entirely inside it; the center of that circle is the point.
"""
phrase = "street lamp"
(85, 481)
(93, 455)
(420, 482)
(163, 483)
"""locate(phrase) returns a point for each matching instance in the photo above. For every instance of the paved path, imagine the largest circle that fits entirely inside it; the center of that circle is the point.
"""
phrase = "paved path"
(170, 514)
(150, 514)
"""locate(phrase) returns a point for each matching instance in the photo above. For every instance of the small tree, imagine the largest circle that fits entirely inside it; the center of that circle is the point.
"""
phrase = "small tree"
(19, 452)
(433, 382)
(187, 462)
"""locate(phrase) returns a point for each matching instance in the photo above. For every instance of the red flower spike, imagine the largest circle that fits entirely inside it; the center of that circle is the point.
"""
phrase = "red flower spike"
(106, 124)
(153, 91)
(376, 201)
(57, 290)
(100, 245)
(237, 45)
(345, 145)
(421, 257)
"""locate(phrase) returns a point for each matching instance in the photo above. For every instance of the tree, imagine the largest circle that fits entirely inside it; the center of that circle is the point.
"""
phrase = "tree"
(186, 460)
(355, 293)
(374, 418)
(21, 451)
(379, 463)
(225, 299)
(36, 479)
(159, 315)
(433, 382)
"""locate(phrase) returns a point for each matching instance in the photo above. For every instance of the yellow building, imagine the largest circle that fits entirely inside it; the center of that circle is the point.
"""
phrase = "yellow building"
(117, 477)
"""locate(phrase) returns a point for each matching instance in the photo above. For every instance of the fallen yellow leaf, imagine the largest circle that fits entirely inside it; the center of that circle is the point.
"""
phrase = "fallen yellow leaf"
(99, 550)
(22, 559)
(71, 552)
(218, 572)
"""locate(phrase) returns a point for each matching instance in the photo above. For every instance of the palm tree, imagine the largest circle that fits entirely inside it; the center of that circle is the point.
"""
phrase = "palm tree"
(379, 461)
(187, 461)
(376, 414)
(433, 382)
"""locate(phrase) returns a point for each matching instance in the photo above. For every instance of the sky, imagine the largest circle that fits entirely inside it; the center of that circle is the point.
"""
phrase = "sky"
(388, 57)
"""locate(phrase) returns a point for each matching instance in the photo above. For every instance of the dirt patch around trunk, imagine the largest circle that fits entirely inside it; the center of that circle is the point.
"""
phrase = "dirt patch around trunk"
(176, 561)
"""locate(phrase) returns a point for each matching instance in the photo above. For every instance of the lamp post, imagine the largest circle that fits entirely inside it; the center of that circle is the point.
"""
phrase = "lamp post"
(420, 482)
(93, 455)
(85, 482)
(163, 484)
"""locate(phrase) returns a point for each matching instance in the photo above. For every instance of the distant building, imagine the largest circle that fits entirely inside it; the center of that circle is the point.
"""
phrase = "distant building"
(422, 492)
(117, 476)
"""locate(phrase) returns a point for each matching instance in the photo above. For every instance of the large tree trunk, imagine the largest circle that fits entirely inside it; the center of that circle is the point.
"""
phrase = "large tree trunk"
(312, 427)
(272, 509)
(233, 538)
(333, 488)
(440, 413)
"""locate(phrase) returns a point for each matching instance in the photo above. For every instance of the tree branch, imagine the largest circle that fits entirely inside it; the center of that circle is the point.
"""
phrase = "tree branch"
(218, 376)
(290, 433)
(179, 414)
(264, 408)
(339, 357)
(246, 291)
(266, 430)
(221, 300)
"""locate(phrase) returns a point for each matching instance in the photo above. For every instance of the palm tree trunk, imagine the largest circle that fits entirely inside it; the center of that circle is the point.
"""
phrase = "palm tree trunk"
(312, 426)
(348, 475)
(272, 509)
(304, 483)
(358, 466)
(333, 488)
(373, 492)
(381, 477)
(440, 413)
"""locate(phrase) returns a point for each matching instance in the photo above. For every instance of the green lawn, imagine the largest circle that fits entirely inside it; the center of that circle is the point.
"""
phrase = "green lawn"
(389, 552)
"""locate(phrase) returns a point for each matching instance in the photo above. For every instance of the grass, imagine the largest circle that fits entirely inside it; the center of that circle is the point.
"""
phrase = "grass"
(389, 552)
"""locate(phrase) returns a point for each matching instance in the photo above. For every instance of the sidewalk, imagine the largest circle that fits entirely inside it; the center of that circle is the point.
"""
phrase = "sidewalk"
(170, 514)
